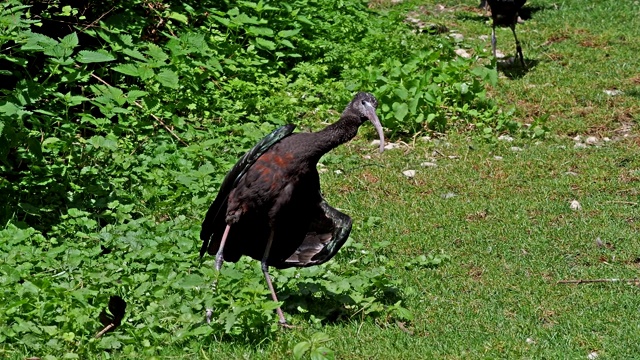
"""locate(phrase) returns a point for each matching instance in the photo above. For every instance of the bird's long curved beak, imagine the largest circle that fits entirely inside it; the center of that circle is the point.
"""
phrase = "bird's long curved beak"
(371, 114)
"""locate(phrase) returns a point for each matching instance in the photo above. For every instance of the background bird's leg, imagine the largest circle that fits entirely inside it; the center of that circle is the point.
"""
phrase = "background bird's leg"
(265, 271)
(219, 257)
(493, 40)
(518, 47)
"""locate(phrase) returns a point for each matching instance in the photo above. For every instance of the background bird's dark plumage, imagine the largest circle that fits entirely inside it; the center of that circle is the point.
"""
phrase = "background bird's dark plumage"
(505, 13)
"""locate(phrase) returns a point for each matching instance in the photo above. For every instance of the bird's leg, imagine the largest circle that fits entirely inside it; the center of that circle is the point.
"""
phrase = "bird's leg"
(265, 271)
(493, 40)
(219, 257)
(518, 47)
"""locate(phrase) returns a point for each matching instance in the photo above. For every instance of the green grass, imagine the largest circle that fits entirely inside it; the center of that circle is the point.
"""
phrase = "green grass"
(509, 230)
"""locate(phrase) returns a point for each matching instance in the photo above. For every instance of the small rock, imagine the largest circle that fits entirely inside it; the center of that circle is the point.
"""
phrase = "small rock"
(612, 92)
(367, 157)
(429, 164)
(338, 172)
(463, 53)
(606, 139)
(579, 145)
(499, 54)
(390, 146)
(375, 143)
(483, 37)
(497, 157)
(599, 242)
(591, 140)
(575, 205)
(577, 138)
(409, 173)
(505, 138)
(456, 36)
(592, 355)
(530, 341)
(426, 138)
(448, 195)
(515, 148)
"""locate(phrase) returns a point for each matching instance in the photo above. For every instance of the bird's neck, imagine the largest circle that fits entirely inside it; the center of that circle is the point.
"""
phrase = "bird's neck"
(336, 134)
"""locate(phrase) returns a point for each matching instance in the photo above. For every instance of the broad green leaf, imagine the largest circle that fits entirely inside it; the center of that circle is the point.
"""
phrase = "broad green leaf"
(401, 92)
(70, 41)
(134, 54)
(86, 57)
(260, 31)
(300, 349)
(287, 43)
(177, 16)
(168, 78)
(127, 69)
(322, 353)
(400, 110)
(265, 44)
(288, 33)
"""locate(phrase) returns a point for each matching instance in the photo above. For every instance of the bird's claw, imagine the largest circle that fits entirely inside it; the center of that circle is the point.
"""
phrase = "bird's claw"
(286, 325)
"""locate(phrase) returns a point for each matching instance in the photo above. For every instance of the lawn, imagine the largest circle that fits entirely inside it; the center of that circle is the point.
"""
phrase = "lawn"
(498, 222)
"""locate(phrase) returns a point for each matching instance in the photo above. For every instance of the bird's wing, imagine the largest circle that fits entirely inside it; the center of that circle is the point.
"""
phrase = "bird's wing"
(327, 233)
(214, 221)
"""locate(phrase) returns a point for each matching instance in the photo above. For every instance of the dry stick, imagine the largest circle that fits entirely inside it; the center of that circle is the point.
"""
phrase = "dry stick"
(92, 24)
(152, 115)
(587, 281)
(106, 328)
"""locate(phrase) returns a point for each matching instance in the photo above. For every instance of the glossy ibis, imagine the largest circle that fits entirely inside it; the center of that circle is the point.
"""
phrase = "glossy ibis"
(269, 206)
(505, 13)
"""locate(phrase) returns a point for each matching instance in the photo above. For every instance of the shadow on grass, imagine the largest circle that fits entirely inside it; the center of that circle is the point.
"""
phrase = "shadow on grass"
(329, 307)
(512, 69)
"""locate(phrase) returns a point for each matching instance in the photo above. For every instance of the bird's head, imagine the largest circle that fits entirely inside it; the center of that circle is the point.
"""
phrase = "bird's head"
(364, 105)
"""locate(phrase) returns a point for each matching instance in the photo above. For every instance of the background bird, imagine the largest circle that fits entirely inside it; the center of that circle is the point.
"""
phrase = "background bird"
(505, 13)
(270, 207)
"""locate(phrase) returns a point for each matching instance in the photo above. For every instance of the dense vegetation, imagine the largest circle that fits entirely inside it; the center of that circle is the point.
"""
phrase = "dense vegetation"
(119, 120)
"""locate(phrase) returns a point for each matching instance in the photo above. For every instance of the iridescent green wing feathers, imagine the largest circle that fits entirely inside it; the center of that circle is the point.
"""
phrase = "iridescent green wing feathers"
(214, 221)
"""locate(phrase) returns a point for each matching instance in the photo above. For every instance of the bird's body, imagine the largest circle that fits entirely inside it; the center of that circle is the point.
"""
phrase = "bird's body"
(505, 13)
(270, 207)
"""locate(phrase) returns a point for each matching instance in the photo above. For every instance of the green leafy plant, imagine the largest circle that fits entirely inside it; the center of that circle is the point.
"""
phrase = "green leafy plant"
(315, 346)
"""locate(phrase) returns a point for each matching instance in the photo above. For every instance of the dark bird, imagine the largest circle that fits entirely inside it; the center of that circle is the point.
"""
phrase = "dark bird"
(269, 206)
(505, 13)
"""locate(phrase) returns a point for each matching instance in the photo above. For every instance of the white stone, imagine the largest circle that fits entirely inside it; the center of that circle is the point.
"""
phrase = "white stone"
(577, 138)
(456, 36)
(591, 140)
(575, 205)
(409, 173)
(580, 145)
(463, 53)
(448, 195)
(613, 92)
(515, 148)
(429, 164)
(497, 157)
(505, 138)
(338, 172)
(530, 341)
(592, 355)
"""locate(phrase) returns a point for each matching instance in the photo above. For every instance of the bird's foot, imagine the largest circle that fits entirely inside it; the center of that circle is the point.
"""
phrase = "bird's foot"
(286, 325)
